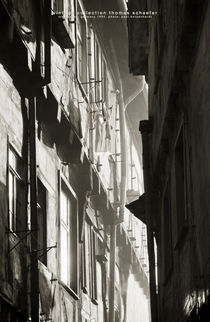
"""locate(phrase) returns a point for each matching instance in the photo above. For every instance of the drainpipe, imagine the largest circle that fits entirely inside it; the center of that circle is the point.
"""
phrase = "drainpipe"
(112, 273)
(33, 202)
(145, 129)
(32, 148)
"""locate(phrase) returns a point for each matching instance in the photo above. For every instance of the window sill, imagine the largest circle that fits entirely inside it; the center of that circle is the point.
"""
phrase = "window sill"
(40, 263)
(85, 290)
(69, 290)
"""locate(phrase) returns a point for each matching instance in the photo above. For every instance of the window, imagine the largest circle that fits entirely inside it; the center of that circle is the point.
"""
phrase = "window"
(58, 6)
(85, 259)
(82, 50)
(42, 58)
(104, 83)
(71, 12)
(68, 237)
(93, 266)
(71, 20)
(97, 59)
(65, 9)
(181, 216)
(89, 272)
(16, 192)
(42, 221)
(167, 233)
(63, 22)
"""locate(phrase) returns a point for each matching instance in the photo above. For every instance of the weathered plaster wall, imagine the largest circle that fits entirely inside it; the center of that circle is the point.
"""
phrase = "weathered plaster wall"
(11, 125)
(55, 301)
(135, 295)
(189, 277)
(199, 120)
(165, 32)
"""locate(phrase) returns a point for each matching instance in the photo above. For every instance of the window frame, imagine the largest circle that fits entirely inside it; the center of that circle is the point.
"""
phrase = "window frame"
(93, 241)
(72, 289)
(97, 71)
(19, 180)
(72, 19)
(89, 258)
(83, 83)
(67, 11)
(58, 6)
(43, 250)
(104, 74)
(85, 281)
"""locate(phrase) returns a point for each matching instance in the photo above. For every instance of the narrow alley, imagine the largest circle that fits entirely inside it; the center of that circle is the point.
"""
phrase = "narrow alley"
(104, 161)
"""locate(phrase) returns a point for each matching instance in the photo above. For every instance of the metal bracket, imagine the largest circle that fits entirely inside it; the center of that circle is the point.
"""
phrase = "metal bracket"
(21, 238)
(46, 250)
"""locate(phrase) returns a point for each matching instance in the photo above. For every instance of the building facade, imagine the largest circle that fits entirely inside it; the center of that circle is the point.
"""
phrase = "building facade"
(172, 52)
(70, 251)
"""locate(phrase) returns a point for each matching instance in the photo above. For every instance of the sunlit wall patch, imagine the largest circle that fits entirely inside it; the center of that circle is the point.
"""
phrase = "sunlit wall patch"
(194, 301)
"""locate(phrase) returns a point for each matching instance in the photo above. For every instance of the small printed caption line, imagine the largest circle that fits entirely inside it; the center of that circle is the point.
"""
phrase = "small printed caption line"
(117, 14)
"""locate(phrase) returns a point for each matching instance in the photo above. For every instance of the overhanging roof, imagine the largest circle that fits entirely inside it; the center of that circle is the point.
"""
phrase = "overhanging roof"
(137, 208)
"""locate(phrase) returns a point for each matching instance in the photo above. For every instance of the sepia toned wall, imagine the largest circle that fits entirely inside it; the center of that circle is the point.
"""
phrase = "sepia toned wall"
(178, 80)
(77, 145)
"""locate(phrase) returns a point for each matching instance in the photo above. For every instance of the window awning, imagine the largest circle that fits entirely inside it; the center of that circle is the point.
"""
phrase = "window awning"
(137, 208)
(62, 31)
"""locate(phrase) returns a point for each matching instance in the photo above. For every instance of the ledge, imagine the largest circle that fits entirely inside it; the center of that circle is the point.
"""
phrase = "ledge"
(69, 290)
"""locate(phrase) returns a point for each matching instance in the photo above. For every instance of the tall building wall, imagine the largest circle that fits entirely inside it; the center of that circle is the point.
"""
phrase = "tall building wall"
(178, 79)
(58, 212)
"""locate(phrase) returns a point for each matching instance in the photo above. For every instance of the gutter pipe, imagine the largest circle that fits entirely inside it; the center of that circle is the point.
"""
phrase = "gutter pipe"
(34, 224)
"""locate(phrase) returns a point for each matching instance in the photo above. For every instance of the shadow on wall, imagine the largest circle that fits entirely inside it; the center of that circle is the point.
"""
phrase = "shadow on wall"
(137, 303)
(197, 306)
(12, 266)
(3, 212)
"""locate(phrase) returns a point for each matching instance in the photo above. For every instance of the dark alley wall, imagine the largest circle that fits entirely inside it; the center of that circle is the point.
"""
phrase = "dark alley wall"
(179, 151)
